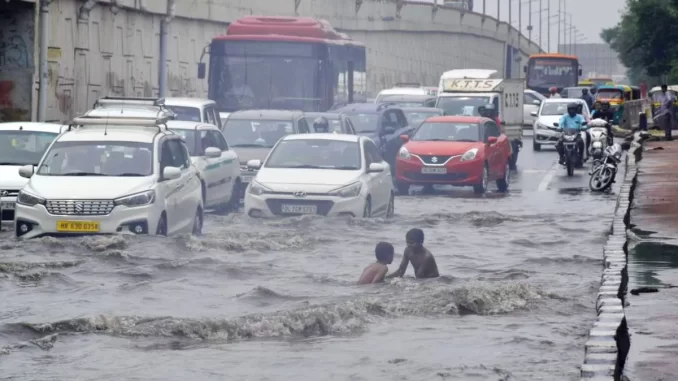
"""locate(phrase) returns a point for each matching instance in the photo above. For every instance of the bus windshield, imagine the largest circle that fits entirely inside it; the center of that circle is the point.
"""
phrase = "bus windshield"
(552, 72)
(264, 75)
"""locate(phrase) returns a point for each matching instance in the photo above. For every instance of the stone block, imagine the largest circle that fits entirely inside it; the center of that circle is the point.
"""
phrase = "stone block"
(601, 358)
(598, 346)
(612, 309)
(590, 370)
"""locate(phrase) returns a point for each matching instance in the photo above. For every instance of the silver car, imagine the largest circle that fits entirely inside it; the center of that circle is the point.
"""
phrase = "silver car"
(550, 111)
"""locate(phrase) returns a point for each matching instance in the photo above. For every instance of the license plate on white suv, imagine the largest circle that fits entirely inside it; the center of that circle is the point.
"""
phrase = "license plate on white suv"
(7, 206)
(247, 179)
(299, 209)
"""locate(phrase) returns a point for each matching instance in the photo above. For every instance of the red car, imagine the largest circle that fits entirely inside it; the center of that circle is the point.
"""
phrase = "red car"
(454, 150)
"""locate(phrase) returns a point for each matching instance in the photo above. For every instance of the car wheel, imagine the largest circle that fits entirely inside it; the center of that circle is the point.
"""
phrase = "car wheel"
(198, 222)
(536, 146)
(482, 187)
(162, 226)
(503, 183)
(390, 210)
(233, 204)
(403, 188)
(367, 209)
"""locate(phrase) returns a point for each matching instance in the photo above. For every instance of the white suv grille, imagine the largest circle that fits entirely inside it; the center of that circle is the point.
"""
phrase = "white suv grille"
(80, 207)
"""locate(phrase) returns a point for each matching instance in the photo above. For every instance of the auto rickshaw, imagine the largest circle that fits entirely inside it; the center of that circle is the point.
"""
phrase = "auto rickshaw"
(616, 95)
(654, 96)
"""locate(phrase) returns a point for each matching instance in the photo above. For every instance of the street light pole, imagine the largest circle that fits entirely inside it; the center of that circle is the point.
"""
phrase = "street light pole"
(520, 20)
(541, 17)
(572, 36)
(548, 23)
(529, 20)
(484, 10)
(560, 20)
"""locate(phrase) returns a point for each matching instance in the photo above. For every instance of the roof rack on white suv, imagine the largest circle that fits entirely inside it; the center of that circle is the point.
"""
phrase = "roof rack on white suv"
(129, 101)
(135, 107)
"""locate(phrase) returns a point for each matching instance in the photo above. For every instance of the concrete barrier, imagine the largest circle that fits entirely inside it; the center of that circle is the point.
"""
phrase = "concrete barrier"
(632, 111)
(609, 342)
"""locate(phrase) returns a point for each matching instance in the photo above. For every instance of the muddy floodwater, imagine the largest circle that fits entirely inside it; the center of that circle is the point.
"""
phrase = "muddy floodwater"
(277, 300)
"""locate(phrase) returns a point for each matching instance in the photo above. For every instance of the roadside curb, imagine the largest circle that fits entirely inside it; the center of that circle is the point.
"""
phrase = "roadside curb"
(608, 344)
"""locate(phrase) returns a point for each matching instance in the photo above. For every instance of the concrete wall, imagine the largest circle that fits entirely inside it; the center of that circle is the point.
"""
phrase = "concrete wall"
(115, 50)
(17, 66)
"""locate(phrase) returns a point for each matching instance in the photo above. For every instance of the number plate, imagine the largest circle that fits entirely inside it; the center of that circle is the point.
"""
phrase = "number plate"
(78, 226)
(434, 171)
(247, 179)
(7, 206)
(300, 209)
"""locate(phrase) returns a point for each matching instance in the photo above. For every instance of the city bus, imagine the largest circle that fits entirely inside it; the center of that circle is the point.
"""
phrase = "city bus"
(284, 63)
(547, 70)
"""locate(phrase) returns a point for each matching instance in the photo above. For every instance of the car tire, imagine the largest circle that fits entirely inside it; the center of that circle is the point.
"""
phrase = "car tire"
(482, 187)
(233, 204)
(403, 188)
(503, 183)
(162, 226)
(198, 222)
(536, 146)
(367, 209)
(390, 209)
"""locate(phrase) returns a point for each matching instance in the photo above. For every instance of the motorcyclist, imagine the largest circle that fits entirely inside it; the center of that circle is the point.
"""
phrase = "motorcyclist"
(587, 97)
(554, 92)
(571, 120)
(321, 125)
(606, 114)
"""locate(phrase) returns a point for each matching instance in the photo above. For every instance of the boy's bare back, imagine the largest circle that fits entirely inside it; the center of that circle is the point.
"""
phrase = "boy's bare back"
(373, 273)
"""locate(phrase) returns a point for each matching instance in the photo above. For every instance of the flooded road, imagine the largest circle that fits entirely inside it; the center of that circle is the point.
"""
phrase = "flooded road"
(277, 300)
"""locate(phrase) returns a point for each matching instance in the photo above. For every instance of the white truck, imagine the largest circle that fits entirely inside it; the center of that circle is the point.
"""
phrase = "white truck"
(463, 92)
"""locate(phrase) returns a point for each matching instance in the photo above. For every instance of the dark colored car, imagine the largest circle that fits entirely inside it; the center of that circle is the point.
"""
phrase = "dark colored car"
(408, 100)
(339, 123)
(416, 115)
(252, 134)
(383, 123)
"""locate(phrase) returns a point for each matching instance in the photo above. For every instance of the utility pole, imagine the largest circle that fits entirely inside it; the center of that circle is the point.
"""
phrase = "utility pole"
(43, 81)
(162, 59)
(541, 18)
(520, 20)
(560, 20)
(548, 23)
(529, 20)
(484, 10)
(499, 11)
(510, 16)
(565, 26)
(572, 36)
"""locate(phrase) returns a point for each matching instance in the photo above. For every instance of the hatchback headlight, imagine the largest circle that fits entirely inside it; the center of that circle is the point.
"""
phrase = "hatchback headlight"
(257, 189)
(348, 191)
(470, 154)
(541, 126)
(404, 153)
(137, 199)
(28, 199)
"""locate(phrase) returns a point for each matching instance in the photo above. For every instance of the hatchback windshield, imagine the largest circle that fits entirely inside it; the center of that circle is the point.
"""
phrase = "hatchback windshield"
(554, 108)
(189, 114)
(416, 117)
(256, 133)
(449, 132)
(462, 105)
(315, 153)
(364, 123)
(335, 124)
(23, 147)
(82, 158)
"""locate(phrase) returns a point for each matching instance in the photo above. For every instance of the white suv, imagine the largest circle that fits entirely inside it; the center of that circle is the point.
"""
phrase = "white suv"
(111, 175)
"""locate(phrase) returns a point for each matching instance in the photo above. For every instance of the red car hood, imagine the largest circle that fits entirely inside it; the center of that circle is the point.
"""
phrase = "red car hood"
(441, 148)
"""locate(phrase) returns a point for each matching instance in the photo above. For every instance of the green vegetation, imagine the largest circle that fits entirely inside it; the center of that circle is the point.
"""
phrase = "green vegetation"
(645, 39)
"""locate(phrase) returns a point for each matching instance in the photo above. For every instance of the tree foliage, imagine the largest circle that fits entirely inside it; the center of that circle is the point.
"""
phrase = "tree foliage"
(646, 38)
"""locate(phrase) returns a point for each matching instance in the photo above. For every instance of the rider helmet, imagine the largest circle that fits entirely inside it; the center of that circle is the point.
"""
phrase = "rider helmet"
(584, 91)
(572, 108)
(320, 124)
(605, 105)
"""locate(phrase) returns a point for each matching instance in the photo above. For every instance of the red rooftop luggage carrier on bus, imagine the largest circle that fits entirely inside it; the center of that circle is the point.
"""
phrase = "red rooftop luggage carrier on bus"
(289, 63)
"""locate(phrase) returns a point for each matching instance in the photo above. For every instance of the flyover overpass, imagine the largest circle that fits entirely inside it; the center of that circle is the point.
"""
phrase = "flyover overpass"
(99, 48)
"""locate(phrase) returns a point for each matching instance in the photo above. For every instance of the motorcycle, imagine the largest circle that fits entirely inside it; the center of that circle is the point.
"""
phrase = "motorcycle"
(573, 157)
(599, 140)
(604, 174)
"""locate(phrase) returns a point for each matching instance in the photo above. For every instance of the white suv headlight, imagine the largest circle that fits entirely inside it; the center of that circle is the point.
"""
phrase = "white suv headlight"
(470, 154)
(404, 153)
(257, 189)
(352, 190)
(137, 199)
(28, 199)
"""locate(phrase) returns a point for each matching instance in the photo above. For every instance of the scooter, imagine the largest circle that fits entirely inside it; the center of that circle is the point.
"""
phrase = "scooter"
(573, 157)
(605, 172)
(599, 140)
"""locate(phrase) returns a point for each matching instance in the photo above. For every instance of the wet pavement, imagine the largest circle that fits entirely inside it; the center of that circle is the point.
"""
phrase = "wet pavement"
(653, 265)
(277, 300)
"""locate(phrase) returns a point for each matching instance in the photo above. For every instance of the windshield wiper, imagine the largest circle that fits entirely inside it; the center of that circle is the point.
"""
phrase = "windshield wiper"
(249, 145)
(83, 174)
(129, 175)
(307, 166)
(10, 163)
(346, 168)
(465, 140)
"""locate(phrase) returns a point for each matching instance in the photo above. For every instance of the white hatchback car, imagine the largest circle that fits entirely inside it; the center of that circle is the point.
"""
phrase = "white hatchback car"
(195, 110)
(322, 174)
(550, 111)
(21, 143)
(111, 175)
(218, 165)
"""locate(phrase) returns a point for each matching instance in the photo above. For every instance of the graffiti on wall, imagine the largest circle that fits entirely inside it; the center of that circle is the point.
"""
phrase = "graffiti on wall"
(17, 30)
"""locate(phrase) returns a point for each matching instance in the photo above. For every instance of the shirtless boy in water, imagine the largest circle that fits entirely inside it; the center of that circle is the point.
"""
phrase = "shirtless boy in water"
(422, 260)
(375, 272)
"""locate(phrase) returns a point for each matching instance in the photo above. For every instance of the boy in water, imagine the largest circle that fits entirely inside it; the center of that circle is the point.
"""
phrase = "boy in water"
(422, 260)
(376, 272)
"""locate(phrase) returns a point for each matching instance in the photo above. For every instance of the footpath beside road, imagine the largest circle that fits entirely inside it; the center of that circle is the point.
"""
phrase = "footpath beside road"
(652, 301)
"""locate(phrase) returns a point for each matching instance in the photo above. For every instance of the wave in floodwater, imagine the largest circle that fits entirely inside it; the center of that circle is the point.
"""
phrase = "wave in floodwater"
(351, 315)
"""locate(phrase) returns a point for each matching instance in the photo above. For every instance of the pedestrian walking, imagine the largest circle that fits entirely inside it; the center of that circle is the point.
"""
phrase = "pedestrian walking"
(665, 115)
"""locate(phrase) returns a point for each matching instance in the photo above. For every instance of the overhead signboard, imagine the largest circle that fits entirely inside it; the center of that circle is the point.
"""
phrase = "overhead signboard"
(471, 85)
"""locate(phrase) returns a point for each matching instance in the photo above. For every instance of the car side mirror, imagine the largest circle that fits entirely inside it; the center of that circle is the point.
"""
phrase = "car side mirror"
(212, 152)
(26, 171)
(171, 173)
(556, 124)
(254, 164)
(376, 168)
(492, 140)
(404, 138)
(533, 113)
(202, 70)
(536, 102)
